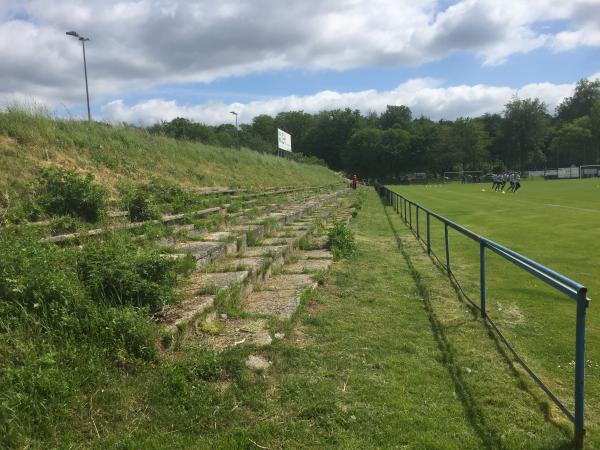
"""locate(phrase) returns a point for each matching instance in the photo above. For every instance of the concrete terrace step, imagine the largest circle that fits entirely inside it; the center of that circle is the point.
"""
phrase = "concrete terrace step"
(315, 254)
(307, 266)
(201, 282)
(289, 282)
(171, 317)
(279, 295)
(165, 219)
(279, 304)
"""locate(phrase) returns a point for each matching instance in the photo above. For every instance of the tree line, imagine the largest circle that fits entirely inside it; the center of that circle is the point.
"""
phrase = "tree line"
(524, 136)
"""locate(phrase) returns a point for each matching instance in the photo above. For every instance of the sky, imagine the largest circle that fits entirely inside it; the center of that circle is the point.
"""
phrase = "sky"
(154, 60)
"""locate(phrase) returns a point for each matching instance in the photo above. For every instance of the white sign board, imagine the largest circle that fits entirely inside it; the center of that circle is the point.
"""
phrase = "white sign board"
(284, 140)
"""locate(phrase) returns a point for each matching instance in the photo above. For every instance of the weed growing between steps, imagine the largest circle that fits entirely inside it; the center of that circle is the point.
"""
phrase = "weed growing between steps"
(341, 242)
(139, 204)
(228, 301)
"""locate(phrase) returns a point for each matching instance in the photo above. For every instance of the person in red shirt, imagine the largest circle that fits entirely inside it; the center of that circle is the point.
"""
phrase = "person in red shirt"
(354, 181)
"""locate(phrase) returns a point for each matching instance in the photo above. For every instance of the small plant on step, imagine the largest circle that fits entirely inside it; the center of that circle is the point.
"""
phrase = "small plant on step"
(140, 204)
(340, 240)
(304, 243)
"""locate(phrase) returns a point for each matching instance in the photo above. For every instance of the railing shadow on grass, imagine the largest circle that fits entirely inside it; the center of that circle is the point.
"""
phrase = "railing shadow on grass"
(488, 436)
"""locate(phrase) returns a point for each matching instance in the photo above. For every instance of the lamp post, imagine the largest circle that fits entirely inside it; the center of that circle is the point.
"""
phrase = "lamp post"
(237, 133)
(87, 93)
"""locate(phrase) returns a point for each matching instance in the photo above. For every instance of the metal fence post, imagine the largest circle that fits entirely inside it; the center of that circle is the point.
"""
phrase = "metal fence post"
(417, 218)
(447, 247)
(482, 277)
(405, 219)
(410, 214)
(428, 234)
(580, 367)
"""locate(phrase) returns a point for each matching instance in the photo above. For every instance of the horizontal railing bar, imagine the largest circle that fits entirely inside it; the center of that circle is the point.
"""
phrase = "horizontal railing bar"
(577, 287)
(536, 273)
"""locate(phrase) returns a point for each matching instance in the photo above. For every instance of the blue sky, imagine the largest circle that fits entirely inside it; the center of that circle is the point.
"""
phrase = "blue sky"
(152, 60)
(459, 68)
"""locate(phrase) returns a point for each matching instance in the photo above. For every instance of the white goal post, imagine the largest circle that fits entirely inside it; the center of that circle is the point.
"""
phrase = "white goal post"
(590, 171)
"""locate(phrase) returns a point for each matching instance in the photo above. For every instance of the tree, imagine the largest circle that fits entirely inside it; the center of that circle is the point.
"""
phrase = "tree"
(363, 154)
(265, 128)
(181, 128)
(298, 124)
(425, 139)
(395, 152)
(573, 143)
(332, 130)
(396, 116)
(595, 130)
(524, 131)
(580, 104)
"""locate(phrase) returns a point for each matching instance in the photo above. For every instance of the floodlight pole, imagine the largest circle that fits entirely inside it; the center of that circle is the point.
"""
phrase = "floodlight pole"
(87, 92)
(237, 133)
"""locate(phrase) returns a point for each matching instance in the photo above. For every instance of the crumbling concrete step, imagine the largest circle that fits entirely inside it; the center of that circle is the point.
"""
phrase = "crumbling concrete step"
(257, 230)
(289, 282)
(307, 266)
(235, 241)
(319, 241)
(288, 241)
(281, 304)
(253, 264)
(217, 280)
(174, 315)
(296, 226)
(315, 254)
(202, 251)
(232, 332)
(262, 250)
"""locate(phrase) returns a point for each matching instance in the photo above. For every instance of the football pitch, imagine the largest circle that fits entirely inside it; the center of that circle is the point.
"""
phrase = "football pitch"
(556, 223)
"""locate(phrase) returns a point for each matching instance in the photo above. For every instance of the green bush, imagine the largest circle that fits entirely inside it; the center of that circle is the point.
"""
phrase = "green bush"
(118, 272)
(140, 204)
(64, 192)
(30, 283)
(340, 240)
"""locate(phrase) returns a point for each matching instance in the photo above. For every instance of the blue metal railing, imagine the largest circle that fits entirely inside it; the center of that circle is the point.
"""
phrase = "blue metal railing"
(404, 207)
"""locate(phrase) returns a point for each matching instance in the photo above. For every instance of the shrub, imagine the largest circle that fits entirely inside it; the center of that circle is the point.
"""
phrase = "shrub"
(64, 192)
(140, 204)
(30, 283)
(118, 272)
(340, 241)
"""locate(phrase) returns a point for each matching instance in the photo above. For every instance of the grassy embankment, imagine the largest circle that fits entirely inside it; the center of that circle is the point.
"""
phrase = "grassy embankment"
(74, 321)
(124, 154)
(555, 223)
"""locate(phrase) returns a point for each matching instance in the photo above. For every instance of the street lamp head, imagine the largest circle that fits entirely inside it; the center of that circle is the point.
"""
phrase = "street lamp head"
(233, 112)
(76, 35)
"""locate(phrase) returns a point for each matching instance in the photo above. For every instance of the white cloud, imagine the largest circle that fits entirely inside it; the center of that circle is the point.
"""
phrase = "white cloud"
(140, 44)
(424, 96)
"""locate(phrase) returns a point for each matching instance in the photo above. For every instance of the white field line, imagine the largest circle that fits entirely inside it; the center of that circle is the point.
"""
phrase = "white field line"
(573, 207)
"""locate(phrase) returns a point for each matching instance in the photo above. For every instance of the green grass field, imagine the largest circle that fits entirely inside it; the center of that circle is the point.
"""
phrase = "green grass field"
(553, 222)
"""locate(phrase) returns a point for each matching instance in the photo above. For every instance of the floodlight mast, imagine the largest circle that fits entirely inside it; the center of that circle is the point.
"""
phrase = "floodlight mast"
(87, 92)
(237, 133)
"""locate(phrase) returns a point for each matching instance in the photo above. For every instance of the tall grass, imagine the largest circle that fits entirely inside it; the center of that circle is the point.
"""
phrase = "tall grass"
(32, 138)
